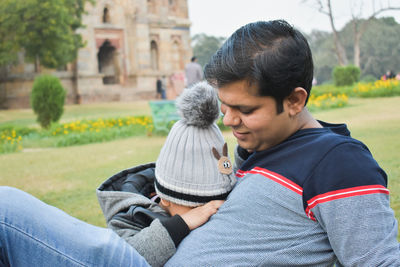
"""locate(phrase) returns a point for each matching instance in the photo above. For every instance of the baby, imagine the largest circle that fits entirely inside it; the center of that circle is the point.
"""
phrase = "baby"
(191, 178)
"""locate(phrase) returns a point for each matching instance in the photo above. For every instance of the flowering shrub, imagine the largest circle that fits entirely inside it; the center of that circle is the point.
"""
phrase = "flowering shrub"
(99, 125)
(326, 101)
(378, 88)
(10, 141)
(90, 131)
(14, 138)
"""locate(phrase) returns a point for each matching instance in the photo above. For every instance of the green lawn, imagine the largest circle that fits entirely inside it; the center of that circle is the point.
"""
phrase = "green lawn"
(67, 177)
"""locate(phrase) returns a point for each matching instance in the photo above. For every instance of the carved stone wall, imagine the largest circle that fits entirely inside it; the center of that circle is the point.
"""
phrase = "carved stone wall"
(129, 43)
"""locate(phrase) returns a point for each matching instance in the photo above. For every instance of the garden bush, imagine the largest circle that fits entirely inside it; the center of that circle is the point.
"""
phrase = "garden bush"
(368, 78)
(347, 75)
(47, 99)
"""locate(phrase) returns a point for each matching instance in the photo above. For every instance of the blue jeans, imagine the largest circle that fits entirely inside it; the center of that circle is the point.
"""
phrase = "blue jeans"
(163, 94)
(33, 233)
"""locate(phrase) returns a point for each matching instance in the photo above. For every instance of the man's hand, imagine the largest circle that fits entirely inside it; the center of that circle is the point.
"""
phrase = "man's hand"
(200, 215)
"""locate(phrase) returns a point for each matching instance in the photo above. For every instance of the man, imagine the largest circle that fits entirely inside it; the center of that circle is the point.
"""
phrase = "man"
(193, 72)
(159, 88)
(308, 194)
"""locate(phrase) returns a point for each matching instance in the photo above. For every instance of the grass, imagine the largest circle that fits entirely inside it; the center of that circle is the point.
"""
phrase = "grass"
(67, 177)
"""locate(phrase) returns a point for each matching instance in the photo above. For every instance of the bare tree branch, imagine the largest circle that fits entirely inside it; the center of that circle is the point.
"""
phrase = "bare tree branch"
(359, 25)
(340, 51)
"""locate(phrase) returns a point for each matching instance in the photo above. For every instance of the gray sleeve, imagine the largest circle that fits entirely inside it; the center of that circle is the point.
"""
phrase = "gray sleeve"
(153, 243)
(362, 230)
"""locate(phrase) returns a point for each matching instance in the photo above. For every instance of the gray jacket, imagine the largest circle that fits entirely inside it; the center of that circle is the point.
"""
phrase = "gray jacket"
(140, 221)
(194, 73)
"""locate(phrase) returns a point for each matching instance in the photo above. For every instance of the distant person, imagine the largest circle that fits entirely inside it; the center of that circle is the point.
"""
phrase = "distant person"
(314, 81)
(161, 88)
(398, 76)
(193, 72)
(389, 75)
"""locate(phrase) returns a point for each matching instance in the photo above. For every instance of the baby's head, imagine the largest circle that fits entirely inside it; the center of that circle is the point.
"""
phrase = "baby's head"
(193, 166)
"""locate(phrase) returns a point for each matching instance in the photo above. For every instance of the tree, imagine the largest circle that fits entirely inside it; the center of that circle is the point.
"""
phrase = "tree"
(8, 46)
(321, 44)
(379, 47)
(339, 49)
(359, 25)
(204, 46)
(44, 29)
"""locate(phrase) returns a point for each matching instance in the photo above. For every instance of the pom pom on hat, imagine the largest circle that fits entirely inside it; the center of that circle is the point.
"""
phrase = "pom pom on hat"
(198, 105)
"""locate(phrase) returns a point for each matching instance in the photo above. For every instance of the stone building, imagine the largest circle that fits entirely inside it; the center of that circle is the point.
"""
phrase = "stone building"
(129, 43)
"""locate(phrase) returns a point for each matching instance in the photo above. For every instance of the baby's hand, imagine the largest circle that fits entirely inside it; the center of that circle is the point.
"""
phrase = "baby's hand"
(200, 215)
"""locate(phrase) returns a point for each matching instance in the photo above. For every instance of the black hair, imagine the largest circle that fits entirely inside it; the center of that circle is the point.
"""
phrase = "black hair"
(193, 59)
(271, 54)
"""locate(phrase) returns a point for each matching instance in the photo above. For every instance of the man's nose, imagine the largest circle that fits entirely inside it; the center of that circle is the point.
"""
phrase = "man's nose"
(231, 118)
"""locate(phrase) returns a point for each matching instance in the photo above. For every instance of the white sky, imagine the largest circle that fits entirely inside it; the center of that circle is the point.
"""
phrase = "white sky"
(223, 17)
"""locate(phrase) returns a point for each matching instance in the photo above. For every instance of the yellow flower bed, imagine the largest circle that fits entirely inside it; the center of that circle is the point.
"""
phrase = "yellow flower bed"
(327, 100)
(378, 88)
(101, 124)
(10, 141)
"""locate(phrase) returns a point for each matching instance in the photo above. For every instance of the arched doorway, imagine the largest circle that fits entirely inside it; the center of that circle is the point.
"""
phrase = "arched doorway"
(154, 55)
(108, 63)
(106, 15)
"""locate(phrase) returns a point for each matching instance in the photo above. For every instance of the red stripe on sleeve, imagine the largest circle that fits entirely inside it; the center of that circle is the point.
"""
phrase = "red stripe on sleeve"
(343, 193)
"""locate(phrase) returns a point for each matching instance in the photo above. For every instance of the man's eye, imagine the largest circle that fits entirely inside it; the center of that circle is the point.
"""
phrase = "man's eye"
(246, 111)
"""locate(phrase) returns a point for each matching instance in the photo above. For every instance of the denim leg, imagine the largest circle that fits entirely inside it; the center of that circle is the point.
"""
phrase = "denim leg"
(33, 233)
(163, 94)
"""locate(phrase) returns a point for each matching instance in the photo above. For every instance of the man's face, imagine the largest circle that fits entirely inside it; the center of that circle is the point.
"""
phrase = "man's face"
(253, 119)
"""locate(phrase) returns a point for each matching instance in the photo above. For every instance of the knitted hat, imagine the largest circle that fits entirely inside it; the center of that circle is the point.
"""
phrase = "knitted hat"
(193, 166)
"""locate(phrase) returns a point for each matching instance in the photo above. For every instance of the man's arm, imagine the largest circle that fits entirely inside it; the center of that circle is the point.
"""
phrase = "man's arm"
(362, 230)
(347, 196)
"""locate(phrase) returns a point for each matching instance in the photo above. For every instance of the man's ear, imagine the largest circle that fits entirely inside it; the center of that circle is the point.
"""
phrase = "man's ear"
(296, 100)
